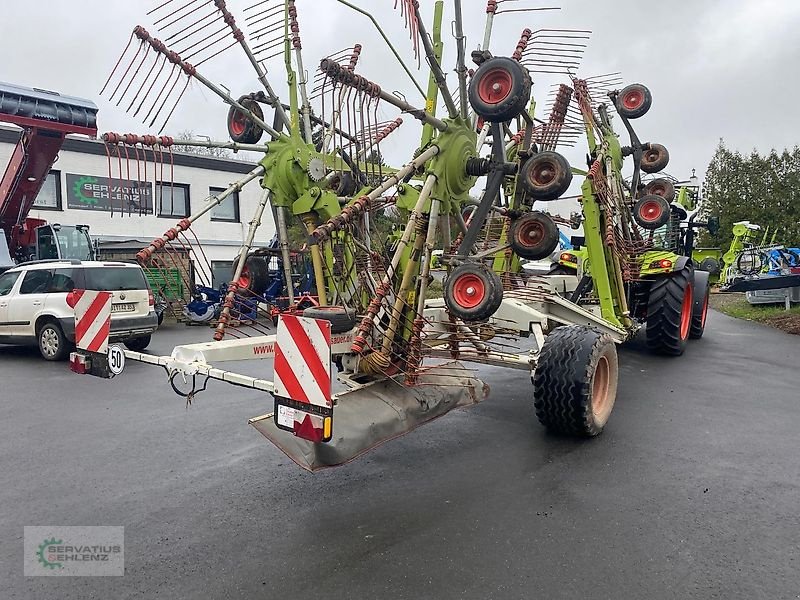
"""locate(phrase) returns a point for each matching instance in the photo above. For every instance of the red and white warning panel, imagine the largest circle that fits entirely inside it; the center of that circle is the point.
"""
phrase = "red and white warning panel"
(92, 320)
(302, 392)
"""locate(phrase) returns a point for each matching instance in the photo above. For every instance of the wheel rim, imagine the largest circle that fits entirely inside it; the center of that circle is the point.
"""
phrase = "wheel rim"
(495, 86)
(530, 234)
(651, 156)
(650, 211)
(49, 341)
(686, 312)
(633, 99)
(238, 123)
(244, 278)
(469, 291)
(601, 383)
(543, 173)
(659, 189)
(705, 312)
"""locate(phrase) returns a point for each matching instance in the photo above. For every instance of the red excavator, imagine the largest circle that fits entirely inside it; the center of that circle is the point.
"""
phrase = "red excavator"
(46, 118)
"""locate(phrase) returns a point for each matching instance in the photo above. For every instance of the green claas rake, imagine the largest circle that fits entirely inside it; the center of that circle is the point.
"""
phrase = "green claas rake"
(474, 190)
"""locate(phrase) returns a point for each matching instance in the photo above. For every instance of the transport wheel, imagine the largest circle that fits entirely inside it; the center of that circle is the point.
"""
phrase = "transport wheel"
(670, 307)
(240, 127)
(655, 159)
(138, 344)
(711, 265)
(342, 319)
(701, 292)
(634, 101)
(575, 382)
(546, 176)
(53, 345)
(661, 187)
(255, 275)
(472, 292)
(651, 212)
(533, 236)
(750, 262)
(500, 89)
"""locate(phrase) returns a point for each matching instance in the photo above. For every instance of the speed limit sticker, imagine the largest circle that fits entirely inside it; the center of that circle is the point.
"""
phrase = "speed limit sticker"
(116, 359)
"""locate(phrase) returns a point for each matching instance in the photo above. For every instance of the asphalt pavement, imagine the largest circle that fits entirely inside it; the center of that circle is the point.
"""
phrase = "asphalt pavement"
(692, 491)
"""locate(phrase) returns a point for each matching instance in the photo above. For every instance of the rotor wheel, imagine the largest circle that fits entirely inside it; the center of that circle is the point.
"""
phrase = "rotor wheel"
(634, 101)
(546, 176)
(575, 381)
(670, 308)
(651, 212)
(500, 89)
(241, 128)
(655, 159)
(533, 236)
(661, 187)
(472, 292)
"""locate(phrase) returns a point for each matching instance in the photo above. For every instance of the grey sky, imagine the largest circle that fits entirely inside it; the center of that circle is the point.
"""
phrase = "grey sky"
(716, 68)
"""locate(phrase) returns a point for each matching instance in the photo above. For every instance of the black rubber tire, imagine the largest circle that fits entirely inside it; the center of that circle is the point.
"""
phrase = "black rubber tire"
(533, 236)
(546, 176)
(506, 72)
(257, 278)
(701, 291)
(343, 184)
(160, 317)
(753, 265)
(454, 290)
(711, 265)
(564, 382)
(138, 344)
(467, 211)
(241, 128)
(651, 212)
(661, 187)
(665, 333)
(634, 101)
(342, 319)
(655, 159)
(53, 344)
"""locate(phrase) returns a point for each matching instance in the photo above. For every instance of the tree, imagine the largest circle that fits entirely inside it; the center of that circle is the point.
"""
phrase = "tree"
(187, 135)
(761, 189)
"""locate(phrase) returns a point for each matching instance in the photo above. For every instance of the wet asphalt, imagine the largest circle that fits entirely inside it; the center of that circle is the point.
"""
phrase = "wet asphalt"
(692, 491)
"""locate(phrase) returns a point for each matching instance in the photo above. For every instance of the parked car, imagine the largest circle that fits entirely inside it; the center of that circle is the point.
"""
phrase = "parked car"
(34, 307)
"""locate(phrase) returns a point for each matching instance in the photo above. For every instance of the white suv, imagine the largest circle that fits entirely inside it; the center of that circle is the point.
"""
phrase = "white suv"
(34, 307)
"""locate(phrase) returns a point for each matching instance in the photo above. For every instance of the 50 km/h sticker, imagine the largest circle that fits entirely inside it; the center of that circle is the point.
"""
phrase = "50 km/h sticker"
(116, 359)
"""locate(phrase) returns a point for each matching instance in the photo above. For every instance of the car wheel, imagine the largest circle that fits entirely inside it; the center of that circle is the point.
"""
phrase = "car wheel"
(53, 345)
(138, 344)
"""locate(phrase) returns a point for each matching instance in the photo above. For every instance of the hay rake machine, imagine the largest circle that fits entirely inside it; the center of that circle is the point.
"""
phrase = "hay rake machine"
(399, 353)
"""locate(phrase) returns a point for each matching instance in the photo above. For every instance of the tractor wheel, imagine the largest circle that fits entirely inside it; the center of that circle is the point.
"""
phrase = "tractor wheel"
(342, 319)
(702, 289)
(546, 176)
(655, 159)
(472, 292)
(651, 212)
(661, 187)
(255, 275)
(500, 89)
(670, 306)
(575, 382)
(240, 127)
(138, 344)
(634, 101)
(533, 236)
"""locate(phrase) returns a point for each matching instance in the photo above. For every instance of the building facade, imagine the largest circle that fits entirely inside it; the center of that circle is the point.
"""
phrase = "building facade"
(127, 202)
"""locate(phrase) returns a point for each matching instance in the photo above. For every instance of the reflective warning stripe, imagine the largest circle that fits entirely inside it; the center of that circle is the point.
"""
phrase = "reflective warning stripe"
(92, 320)
(303, 360)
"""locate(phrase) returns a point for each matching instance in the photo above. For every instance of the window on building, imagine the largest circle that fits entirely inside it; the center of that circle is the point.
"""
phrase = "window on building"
(228, 209)
(173, 199)
(221, 272)
(49, 197)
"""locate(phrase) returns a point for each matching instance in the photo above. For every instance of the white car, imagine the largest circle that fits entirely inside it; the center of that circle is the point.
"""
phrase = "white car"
(34, 307)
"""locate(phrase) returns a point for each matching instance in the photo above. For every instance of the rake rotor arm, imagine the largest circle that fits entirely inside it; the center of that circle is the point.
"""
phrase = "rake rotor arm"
(388, 43)
(436, 68)
(185, 224)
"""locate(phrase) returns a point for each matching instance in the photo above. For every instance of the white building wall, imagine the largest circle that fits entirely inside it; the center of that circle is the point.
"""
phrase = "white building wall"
(220, 240)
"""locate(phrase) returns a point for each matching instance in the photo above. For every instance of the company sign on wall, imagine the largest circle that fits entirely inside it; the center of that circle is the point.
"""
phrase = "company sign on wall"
(88, 192)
